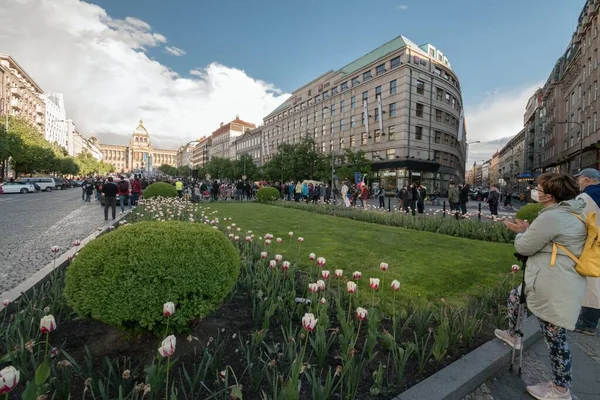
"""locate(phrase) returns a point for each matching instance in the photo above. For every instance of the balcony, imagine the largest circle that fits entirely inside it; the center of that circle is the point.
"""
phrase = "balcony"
(15, 91)
(39, 109)
(39, 120)
(16, 103)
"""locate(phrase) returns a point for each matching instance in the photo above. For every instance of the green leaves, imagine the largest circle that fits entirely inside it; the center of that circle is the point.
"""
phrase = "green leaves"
(42, 373)
(161, 189)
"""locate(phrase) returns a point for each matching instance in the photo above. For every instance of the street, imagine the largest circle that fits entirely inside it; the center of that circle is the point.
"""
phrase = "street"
(30, 224)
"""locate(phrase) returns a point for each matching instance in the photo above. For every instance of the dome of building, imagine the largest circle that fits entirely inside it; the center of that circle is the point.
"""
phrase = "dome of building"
(140, 130)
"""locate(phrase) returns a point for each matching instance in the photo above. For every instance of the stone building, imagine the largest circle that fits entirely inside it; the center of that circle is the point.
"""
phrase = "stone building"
(223, 139)
(139, 156)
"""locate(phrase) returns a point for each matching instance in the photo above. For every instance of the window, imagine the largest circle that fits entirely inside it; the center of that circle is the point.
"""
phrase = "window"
(322, 130)
(301, 121)
(380, 69)
(326, 95)
(334, 91)
(589, 66)
(438, 115)
(571, 141)
(367, 75)
(331, 128)
(390, 154)
(377, 114)
(438, 137)
(352, 121)
(341, 124)
(341, 143)
(392, 110)
(393, 86)
(589, 127)
(595, 58)
(420, 87)
(454, 103)
(363, 137)
(355, 81)
(395, 62)
(315, 117)
(343, 106)
(391, 132)
(447, 118)
(295, 123)
(362, 118)
(448, 98)
(420, 108)
(377, 91)
(324, 113)
(377, 136)
(418, 133)
(353, 102)
(365, 96)
(344, 86)
(439, 94)
(322, 147)
(331, 146)
(332, 110)
(316, 132)
(352, 140)
(595, 90)
(595, 122)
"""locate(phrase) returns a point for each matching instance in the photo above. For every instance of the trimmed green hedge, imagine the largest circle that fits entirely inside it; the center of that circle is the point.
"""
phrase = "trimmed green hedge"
(529, 212)
(161, 189)
(267, 194)
(123, 278)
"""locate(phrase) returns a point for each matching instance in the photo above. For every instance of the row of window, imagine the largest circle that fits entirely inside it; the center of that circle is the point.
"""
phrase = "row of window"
(440, 95)
(255, 141)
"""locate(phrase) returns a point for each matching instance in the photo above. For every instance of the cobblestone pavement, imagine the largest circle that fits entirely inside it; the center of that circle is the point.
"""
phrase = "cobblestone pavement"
(536, 368)
(32, 223)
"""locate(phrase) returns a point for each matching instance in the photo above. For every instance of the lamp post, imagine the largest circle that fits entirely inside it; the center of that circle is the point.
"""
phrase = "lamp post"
(282, 153)
(580, 138)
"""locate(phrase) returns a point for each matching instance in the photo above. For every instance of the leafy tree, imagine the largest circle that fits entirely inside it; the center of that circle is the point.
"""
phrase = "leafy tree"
(350, 162)
(220, 168)
(297, 162)
(168, 170)
(244, 165)
(183, 171)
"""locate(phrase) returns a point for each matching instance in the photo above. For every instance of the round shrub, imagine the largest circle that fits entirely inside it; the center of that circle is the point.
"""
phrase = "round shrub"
(267, 194)
(162, 189)
(529, 212)
(123, 278)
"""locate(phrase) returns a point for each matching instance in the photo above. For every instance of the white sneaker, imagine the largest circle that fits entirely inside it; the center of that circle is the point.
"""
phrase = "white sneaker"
(506, 337)
(547, 391)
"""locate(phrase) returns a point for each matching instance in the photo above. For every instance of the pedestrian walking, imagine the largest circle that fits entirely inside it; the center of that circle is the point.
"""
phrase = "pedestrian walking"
(493, 199)
(554, 292)
(381, 197)
(345, 195)
(110, 191)
(136, 190)
(453, 196)
(364, 195)
(89, 191)
(322, 193)
(179, 188)
(83, 187)
(415, 197)
(463, 197)
(589, 184)
(123, 192)
(421, 200)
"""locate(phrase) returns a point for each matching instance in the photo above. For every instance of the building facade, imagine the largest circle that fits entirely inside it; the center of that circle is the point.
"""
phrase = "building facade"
(250, 143)
(91, 145)
(185, 155)
(495, 169)
(139, 156)
(511, 161)
(56, 127)
(201, 153)
(401, 103)
(223, 139)
(20, 95)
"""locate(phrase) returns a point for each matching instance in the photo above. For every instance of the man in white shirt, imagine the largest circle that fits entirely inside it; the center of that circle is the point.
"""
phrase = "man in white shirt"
(589, 183)
(345, 195)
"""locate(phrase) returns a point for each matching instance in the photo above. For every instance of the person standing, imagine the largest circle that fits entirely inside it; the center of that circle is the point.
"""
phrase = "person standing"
(415, 197)
(322, 193)
(364, 195)
(110, 191)
(298, 190)
(493, 199)
(345, 194)
(554, 289)
(381, 197)
(89, 191)
(589, 184)
(463, 197)
(179, 188)
(421, 201)
(453, 196)
(123, 192)
(136, 190)
(83, 187)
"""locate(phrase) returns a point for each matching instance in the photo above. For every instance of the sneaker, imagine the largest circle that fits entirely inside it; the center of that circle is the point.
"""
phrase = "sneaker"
(586, 331)
(506, 337)
(547, 391)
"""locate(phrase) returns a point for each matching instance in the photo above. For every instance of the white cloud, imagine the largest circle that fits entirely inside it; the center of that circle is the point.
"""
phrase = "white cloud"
(402, 7)
(109, 82)
(495, 120)
(175, 51)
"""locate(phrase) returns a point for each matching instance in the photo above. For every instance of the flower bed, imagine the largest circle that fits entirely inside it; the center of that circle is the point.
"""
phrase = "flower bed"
(435, 221)
(285, 332)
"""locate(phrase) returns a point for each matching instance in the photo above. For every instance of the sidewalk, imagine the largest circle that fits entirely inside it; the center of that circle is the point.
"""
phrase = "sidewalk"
(507, 385)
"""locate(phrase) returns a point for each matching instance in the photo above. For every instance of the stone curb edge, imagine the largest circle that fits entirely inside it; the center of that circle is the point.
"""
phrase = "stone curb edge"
(468, 373)
(26, 287)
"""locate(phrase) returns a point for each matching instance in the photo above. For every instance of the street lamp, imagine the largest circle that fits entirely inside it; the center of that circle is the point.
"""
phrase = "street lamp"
(332, 154)
(580, 138)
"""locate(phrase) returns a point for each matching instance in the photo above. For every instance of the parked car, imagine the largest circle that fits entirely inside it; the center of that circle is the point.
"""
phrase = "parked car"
(45, 184)
(76, 183)
(62, 183)
(17, 187)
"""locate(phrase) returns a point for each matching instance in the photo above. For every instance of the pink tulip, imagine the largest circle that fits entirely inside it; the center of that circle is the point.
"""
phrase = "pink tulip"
(278, 257)
(351, 287)
(325, 274)
(321, 284)
(395, 285)
(55, 249)
(47, 324)
(374, 283)
(357, 275)
(309, 322)
(268, 242)
(339, 273)
(279, 240)
(312, 256)
(384, 266)
(248, 239)
(76, 243)
(515, 268)
(6, 302)
(313, 287)
(272, 264)
(321, 262)
(236, 238)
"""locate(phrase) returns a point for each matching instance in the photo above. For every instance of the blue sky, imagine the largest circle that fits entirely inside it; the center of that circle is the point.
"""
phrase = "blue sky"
(491, 44)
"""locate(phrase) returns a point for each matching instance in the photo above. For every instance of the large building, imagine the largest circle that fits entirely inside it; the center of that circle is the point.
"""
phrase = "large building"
(20, 95)
(223, 139)
(250, 143)
(570, 103)
(401, 103)
(56, 124)
(201, 153)
(511, 162)
(139, 156)
(185, 155)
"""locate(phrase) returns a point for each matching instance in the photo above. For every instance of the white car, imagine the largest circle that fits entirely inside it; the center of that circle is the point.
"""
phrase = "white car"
(17, 187)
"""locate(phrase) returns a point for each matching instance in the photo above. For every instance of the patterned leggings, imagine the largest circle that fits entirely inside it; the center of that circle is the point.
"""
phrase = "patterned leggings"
(556, 340)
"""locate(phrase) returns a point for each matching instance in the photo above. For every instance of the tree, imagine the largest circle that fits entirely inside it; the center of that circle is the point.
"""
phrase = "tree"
(219, 168)
(184, 170)
(168, 170)
(244, 165)
(297, 162)
(350, 162)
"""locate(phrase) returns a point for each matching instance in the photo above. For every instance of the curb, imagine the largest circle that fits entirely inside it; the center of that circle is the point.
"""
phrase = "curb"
(468, 373)
(26, 287)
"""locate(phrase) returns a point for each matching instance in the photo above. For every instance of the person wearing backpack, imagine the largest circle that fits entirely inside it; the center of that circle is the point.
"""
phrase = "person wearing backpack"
(123, 192)
(553, 287)
(589, 184)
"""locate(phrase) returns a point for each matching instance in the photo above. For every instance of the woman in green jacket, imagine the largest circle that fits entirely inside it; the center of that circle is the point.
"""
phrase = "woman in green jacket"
(554, 293)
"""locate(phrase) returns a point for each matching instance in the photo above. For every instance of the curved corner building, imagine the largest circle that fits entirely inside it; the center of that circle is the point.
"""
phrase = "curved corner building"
(401, 104)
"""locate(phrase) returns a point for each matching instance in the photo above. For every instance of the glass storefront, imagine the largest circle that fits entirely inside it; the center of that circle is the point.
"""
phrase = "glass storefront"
(392, 179)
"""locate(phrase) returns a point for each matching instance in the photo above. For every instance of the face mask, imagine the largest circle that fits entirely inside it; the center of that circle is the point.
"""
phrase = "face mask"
(535, 195)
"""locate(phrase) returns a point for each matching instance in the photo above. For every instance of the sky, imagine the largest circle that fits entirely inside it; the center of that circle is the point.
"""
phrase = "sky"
(184, 66)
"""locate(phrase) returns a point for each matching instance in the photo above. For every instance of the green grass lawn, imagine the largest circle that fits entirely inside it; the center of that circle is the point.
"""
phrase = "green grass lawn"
(429, 266)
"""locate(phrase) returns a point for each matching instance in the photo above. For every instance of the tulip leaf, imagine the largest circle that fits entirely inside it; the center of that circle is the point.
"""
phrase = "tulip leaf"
(236, 392)
(30, 392)
(42, 373)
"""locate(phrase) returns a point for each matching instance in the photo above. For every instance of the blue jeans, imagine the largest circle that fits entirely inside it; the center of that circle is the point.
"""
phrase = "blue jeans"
(588, 318)
(135, 197)
(122, 202)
